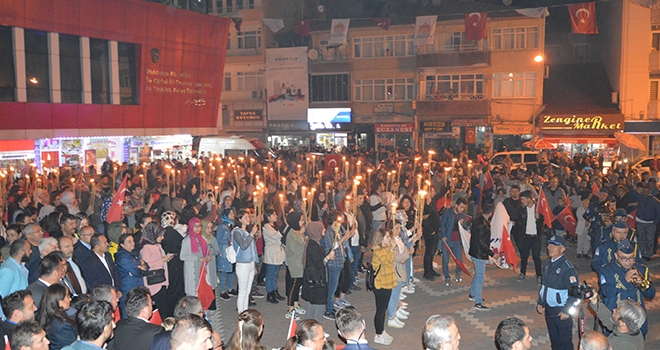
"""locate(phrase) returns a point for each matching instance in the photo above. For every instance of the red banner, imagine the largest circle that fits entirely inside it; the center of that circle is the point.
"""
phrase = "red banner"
(475, 26)
(583, 18)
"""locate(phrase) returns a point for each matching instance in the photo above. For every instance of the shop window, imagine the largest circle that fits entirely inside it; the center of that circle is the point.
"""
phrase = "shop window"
(515, 38)
(226, 83)
(455, 87)
(7, 73)
(654, 90)
(401, 89)
(127, 74)
(384, 46)
(36, 66)
(70, 71)
(456, 42)
(249, 39)
(250, 81)
(329, 88)
(100, 64)
(514, 85)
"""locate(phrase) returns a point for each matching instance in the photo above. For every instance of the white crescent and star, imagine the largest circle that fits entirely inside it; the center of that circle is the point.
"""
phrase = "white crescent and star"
(587, 14)
(478, 18)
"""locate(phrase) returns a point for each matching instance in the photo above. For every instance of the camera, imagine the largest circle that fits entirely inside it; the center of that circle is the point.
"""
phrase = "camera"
(582, 291)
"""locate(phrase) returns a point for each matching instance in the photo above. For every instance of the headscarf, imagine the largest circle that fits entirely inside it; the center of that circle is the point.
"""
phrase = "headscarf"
(293, 220)
(114, 231)
(196, 238)
(204, 224)
(150, 233)
(225, 217)
(167, 219)
(314, 230)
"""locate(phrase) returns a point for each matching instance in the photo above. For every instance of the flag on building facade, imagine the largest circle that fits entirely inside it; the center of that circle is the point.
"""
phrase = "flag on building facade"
(237, 23)
(383, 23)
(475, 26)
(425, 30)
(303, 27)
(338, 32)
(583, 18)
(274, 24)
(537, 12)
(117, 206)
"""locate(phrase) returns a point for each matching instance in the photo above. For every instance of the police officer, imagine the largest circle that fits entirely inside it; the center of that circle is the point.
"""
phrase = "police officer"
(604, 254)
(624, 279)
(558, 276)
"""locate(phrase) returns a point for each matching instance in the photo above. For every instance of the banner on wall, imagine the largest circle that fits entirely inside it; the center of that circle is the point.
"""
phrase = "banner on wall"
(287, 83)
(339, 32)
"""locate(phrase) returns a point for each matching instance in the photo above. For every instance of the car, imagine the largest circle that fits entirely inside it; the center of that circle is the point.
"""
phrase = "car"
(521, 159)
(643, 164)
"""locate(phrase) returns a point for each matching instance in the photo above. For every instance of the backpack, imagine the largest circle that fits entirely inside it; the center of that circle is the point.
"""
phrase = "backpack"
(370, 279)
(284, 232)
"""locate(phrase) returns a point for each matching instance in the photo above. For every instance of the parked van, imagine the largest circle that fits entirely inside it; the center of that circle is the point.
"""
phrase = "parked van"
(231, 146)
(530, 159)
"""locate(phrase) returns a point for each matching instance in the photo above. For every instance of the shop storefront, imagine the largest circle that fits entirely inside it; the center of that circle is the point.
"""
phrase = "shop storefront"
(145, 149)
(82, 152)
(583, 133)
(511, 136)
(648, 132)
(287, 133)
(392, 136)
(16, 153)
(330, 127)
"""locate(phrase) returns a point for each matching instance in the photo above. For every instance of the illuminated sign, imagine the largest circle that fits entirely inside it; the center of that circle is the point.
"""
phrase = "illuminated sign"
(328, 116)
(605, 122)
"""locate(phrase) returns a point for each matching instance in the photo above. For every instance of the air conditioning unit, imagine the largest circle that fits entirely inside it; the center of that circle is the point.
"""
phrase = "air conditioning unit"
(258, 94)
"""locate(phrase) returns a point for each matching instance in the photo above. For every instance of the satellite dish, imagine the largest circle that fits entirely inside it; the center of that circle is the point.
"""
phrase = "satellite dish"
(313, 54)
(507, 2)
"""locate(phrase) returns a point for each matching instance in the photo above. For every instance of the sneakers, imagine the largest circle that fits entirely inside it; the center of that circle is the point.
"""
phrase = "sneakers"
(521, 277)
(300, 311)
(342, 303)
(232, 293)
(448, 282)
(383, 339)
(329, 316)
(407, 290)
(395, 323)
(471, 298)
(481, 307)
(458, 279)
(251, 302)
(403, 311)
(356, 288)
(415, 280)
(539, 280)
(288, 315)
(224, 296)
(400, 315)
(359, 279)
(429, 277)
(402, 296)
(256, 294)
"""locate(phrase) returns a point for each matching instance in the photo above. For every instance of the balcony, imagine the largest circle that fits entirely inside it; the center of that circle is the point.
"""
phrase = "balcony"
(244, 52)
(468, 106)
(453, 59)
(654, 110)
(323, 59)
(654, 61)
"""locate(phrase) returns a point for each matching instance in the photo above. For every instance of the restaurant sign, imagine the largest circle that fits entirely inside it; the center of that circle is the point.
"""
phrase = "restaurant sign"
(435, 127)
(394, 128)
(583, 122)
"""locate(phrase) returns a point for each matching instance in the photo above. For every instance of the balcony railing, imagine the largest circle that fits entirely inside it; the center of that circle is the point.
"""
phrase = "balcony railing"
(329, 54)
(244, 52)
(454, 59)
(454, 97)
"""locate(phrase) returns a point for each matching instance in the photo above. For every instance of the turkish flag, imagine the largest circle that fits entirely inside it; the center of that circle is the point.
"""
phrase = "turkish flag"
(583, 18)
(509, 251)
(543, 208)
(475, 26)
(204, 291)
(237, 23)
(293, 326)
(441, 203)
(470, 135)
(456, 261)
(488, 181)
(631, 219)
(155, 318)
(114, 213)
(594, 188)
(383, 23)
(567, 220)
(7, 346)
(303, 27)
(332, 161)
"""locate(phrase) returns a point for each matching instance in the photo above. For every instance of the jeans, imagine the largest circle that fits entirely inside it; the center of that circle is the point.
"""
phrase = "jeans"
(245, 275)
(394, 300)
(382, 299)
(376, 225)
(226, 279)
(272, 271)
(409, 270)
(645, 236)
(478, 279)
(455, 247)
(356, 260)
(333, 282)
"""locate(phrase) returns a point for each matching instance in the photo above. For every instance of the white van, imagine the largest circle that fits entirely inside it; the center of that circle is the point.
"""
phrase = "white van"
(527, 158)
(231, 146)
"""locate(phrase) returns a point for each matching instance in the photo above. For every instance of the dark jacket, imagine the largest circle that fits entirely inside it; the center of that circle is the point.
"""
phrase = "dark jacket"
(81, 253)
(61, 333)
(5, 329)
(133, 333)
(480, 239)
(37, 289)
(314, 268)
(95, 273)
(127, 266)
(161, 341)
(521, 223)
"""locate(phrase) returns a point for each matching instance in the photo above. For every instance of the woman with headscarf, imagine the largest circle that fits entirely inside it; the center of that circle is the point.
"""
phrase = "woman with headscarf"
(194, 252)
(153, 255)
(274, 255)
(315, 284)
(320, 207)
(225, 268)
(115, 230)
(209, 236)
(172, 245)
(295, 245)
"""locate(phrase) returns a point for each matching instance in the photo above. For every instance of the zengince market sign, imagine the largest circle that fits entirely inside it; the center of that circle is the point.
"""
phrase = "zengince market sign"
(604, 122)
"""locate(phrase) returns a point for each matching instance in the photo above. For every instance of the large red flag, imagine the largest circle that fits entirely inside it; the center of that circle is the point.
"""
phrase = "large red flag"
(114, 213)
(475, 26)
(332, 161)
(583, 18)
(488, 181)
(567, 220)
(204, 291)
(458, 262)
(631, 219)
(543, 208)
(509, 251)
(302, 27)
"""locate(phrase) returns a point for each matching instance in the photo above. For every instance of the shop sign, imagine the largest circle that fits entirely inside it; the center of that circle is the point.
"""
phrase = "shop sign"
(434, 127)
(469, 122)
(329, 126)
(512, 129)
(383, 107)
(248, 114)
(605, 122)
(394, 128)
(288, 125)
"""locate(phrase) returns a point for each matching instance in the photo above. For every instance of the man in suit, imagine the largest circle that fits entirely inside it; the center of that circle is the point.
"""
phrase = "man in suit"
(19, 307)
(29, 336)
(83, 249)
(94, 323)
(33, 233)
(12, 274)
(73, 278)
(135, 332)
(441, 333)
(351, 326)
(192, 325)
(99, 268)
(46, 245)
(51, 270)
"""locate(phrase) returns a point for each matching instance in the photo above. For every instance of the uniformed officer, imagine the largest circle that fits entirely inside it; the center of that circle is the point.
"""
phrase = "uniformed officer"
(625, 279)
(558, 276)
(604, 254)
(594, 215)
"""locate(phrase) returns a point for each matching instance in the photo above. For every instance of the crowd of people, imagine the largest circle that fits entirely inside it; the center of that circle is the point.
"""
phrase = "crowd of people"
(83, 250)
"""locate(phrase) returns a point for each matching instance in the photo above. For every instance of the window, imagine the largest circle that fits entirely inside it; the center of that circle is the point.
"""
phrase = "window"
(328, 88)
(384, 46)
(553, 53)
(7, 75)
(226, 83)
(128, 92)
(229, 6)
(655, 41)
(455, 41)
(250, 81)
(249, 40)
(36, 66)
(654, 90)
(98, 49)
(514, 85)
(582, 52)
(515, 38)
(70, 71)
(401, 89)
(455, 86)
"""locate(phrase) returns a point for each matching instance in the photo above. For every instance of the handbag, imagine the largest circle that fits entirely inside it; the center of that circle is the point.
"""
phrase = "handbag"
(155, 276)
(230, 253)
(370, 278)
(313, 279)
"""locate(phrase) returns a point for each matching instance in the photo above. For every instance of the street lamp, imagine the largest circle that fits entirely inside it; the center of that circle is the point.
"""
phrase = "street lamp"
(538, 58)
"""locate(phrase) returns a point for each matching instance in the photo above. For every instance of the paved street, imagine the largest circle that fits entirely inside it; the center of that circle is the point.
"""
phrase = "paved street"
(502, 293)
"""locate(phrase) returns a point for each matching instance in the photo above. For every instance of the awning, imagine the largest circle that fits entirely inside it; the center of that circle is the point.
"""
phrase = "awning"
(580, 139)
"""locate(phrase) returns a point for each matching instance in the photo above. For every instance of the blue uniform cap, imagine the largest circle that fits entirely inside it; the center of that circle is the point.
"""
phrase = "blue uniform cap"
(620, 224)
(620, 212)
(626, 247)
(557, 240)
